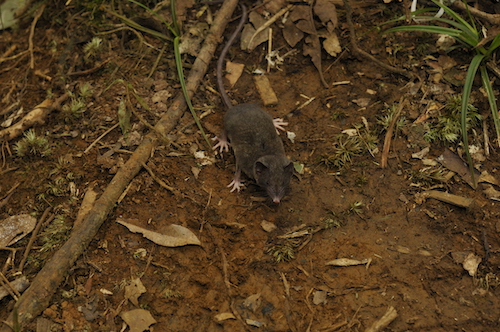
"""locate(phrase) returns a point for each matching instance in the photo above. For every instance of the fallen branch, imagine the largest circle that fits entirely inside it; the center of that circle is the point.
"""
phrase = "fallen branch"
(34, 117)
(494, 19)
(37, 297)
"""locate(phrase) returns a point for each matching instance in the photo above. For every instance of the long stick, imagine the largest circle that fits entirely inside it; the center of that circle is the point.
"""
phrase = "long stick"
(37, 297)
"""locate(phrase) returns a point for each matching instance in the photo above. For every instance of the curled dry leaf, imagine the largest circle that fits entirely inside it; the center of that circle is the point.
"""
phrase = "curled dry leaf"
(14, 228)
(348, 262)
(223, 316)
(170, 236)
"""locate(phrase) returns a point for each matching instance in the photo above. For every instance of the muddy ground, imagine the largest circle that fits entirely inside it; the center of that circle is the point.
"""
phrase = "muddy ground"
(259, 266)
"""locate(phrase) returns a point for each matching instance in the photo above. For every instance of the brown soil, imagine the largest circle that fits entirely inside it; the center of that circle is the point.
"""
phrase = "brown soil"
(411, 243)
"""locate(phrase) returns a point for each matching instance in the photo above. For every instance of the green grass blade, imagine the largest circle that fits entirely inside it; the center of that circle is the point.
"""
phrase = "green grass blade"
(461, 33)
(427, 28)
(494, 45)
(469, 80)
(455, 16)
(182, 81)
(492, 101)
(174, 17)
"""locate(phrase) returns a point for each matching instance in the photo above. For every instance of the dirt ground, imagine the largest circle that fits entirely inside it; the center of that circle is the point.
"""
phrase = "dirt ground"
(259, 266)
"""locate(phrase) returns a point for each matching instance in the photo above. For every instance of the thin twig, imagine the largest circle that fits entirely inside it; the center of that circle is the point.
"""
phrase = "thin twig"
(100, 137)
(388, 134)
(366, 55)
(4, 282)
(32, 33)
(33, 237)
(268, 23)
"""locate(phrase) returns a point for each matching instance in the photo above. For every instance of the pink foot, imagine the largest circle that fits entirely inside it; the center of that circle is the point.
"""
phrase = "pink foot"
(279, 123)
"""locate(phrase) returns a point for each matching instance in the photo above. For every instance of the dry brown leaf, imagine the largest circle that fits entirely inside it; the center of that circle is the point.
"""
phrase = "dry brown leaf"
(256, 21)
(319, 297)
(170, 236)
(305, 26)
(348, 262)
(299, 13)
(327, 13)
(274, 6)
(331, 44)
(138, 320)
(134, 290)
(14, 228)
(234, 71)
(453, 162)
(292, 34)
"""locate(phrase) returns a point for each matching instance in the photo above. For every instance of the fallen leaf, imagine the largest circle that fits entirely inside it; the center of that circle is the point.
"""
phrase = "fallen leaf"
(256, 21)
(421, 154)
(234, 71)
(331, 44)
(491, 192)
(267, 226)
(138, 320)
(170, 236)
(487, 178)
(453, 162)
(291, 33)
(312, 48)
(299, 13)
(224, 316)
(471, 263)
(252, 302)
(319, 297)
(134, 290)
(274, 6)
(327, 13)
(362, 102)
(253, 322)
(348, 262)
(14, 228)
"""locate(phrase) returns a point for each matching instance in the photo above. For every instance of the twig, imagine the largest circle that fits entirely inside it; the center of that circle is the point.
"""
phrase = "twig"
(288, 314)
(33, 237)
(366, 55)
(158, 180)
(267, 24)
(388, 134)
(100, 137)
(35, 116)
(20, 54)
(4, 282)
(492, 18)
(91, 70)
(37, 297)
(32, 33)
